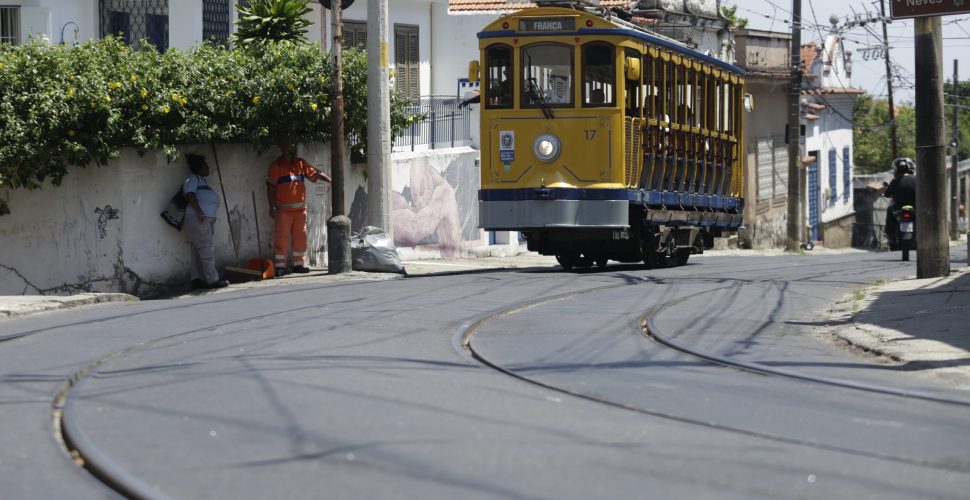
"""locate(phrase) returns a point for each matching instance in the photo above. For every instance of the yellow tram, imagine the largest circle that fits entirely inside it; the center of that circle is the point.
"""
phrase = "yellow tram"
(601, 141)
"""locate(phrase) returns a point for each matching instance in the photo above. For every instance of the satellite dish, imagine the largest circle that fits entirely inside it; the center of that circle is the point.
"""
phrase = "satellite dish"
(343, 4)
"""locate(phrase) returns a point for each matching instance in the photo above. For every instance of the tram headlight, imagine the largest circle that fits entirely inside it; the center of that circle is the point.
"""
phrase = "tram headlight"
(546, 147)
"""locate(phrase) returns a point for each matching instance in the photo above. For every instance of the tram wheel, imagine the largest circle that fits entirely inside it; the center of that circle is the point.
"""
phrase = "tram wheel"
(567, 261)
(584, 261)
(682, 255)
(601, 262)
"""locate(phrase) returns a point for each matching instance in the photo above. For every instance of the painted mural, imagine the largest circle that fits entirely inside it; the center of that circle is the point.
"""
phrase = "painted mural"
(434, 208)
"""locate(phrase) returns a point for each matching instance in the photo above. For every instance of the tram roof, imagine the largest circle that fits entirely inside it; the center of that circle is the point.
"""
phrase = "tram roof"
(619, 30)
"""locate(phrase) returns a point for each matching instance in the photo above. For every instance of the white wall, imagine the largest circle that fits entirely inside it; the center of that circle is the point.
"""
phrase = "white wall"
(456, 38)
(184, 23)
(51, 243)
(413, 12)
(832, 130)
(48, 17)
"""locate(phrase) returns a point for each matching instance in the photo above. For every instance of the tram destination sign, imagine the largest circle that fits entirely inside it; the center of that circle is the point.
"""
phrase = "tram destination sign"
(547, 24)
(902, 9)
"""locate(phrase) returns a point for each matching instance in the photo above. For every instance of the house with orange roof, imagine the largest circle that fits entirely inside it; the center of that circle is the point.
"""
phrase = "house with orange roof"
(828, 98)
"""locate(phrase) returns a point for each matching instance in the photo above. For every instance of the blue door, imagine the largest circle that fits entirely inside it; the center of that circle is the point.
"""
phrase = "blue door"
(813, 200)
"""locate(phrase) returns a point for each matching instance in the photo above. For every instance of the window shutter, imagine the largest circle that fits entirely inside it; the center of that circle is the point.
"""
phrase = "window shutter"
(355, 34)
(414, 67)
(407, 68)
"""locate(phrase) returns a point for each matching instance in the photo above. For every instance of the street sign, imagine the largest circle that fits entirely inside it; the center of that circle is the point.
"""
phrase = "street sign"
(902, 9)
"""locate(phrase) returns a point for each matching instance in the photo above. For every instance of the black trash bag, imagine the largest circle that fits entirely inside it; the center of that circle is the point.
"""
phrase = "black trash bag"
(373, 250)
(174, 212)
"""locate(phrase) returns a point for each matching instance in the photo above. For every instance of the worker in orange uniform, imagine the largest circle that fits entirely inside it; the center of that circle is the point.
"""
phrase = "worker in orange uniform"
(287, 205)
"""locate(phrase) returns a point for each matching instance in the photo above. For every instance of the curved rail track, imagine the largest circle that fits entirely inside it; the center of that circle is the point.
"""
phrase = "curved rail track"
(86, 454)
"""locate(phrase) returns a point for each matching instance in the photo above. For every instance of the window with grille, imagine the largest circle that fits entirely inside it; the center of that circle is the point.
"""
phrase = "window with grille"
(216, 20)
(772, 160)
(406, 64)
(781, 167)
(833, 177)
(10, 25)
(766, 167)
(355, 34)
(846, 174)
(135, 21)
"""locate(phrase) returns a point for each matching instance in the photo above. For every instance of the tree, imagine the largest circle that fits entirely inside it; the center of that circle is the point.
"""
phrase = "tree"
(963, 119)
(271, 20)
(871, 134)
(733, 20)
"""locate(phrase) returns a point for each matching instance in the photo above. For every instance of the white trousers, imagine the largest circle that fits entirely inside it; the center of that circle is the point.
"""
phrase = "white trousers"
(203, 253)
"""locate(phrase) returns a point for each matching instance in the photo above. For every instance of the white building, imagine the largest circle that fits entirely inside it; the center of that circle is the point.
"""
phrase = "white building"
(827, 102)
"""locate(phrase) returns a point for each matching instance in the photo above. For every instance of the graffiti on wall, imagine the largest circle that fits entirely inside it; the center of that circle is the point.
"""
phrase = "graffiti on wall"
(105, 215)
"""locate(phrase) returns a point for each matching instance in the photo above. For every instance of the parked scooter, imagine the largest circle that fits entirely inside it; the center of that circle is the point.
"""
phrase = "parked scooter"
(907, 229)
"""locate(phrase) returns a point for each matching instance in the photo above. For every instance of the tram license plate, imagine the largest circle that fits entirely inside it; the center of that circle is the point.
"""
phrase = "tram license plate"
(906, 227)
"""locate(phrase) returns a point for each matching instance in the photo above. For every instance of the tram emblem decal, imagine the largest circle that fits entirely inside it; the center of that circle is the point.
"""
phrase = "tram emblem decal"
(506, 146)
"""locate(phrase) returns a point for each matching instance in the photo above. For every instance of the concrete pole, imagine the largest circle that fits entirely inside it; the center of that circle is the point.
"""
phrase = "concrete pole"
(337, 110)
(933, 254)
(378, 118)
(954, 143)
(793, 233)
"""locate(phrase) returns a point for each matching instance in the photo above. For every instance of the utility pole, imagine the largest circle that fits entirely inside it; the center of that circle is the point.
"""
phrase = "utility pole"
(378, 118)
(793, 235)
(954, 162)
(338, 227)
(894, 142)
(933, 256)
(337, 109)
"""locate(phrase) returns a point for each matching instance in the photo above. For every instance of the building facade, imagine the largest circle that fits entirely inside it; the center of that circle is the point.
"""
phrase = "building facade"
(826, 165)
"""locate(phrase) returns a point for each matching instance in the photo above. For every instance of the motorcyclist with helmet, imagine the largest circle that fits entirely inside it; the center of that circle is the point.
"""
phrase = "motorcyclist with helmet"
(902, 190)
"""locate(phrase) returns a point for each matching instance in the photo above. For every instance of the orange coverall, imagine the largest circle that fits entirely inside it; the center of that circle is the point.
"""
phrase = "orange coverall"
(285, 179)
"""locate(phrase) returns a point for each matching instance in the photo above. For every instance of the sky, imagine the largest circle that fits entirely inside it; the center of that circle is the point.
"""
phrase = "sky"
(868, 75)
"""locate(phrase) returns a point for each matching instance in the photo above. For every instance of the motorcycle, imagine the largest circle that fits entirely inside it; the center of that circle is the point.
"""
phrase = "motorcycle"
(906, 216)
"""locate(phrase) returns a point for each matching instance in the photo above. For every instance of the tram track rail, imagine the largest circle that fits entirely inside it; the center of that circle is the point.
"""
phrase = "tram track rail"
(648, 328)
(84, 452)
(70, 435)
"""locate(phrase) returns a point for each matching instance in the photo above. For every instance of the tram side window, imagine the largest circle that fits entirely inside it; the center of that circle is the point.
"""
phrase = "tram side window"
(547, 75)
(599, 75)
(498, 70)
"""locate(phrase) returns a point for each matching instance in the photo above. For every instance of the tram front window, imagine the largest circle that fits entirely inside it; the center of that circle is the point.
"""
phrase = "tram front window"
(498, 68)
(547, 71)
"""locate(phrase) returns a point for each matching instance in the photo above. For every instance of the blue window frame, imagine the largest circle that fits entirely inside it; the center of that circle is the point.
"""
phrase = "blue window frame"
(135, 20)
(833, 178)
(216, 20)
(846, 173)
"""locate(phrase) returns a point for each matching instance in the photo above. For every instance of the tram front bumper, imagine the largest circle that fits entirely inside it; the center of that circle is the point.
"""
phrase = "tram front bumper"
(507, 215)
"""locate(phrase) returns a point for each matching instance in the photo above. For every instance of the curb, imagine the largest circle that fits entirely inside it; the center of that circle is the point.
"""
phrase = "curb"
(896, 346)
(25, 305)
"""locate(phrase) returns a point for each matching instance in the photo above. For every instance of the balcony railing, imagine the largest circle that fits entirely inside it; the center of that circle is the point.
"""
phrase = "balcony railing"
(442, 125)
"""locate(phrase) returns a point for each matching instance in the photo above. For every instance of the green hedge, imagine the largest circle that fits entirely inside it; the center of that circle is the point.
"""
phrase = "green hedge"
(72, 106)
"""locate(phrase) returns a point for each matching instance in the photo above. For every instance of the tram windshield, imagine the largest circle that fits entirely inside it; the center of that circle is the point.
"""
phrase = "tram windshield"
(498, 71)
(547, 71)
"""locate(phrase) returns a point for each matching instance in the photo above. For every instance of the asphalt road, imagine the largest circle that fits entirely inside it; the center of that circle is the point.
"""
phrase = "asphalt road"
(513, 384)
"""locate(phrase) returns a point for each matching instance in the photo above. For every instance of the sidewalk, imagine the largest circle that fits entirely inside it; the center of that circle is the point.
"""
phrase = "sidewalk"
(922, 323)
(20, 305)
